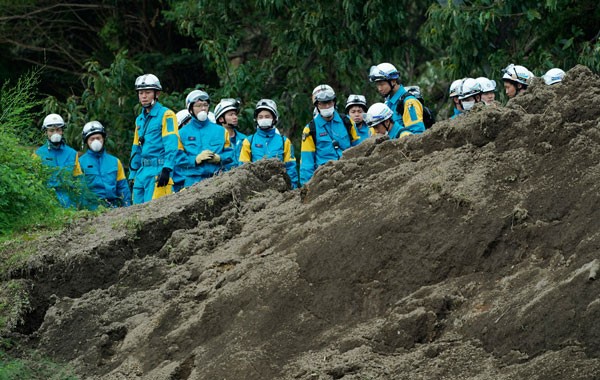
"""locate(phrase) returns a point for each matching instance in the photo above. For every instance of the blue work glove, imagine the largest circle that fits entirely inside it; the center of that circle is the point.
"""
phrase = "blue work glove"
(163, 178)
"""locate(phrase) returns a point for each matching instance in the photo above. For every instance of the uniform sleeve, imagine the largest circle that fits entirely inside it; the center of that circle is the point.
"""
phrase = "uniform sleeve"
(290, 162)
(412, 116)
(123, 191)
(246, 152)
(170, 137)
(354, 136)
(308, 159)
(136, 155)
(227, 156)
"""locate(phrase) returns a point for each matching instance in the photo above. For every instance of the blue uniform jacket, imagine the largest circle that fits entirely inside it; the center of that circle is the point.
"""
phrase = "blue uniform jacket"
(155, 142)
(236, 144)
(270, 144)
(315, 153)
(363, 131)
(456, 113)
(410, 121)
(66, 163)
(105, 177)
(196, 137)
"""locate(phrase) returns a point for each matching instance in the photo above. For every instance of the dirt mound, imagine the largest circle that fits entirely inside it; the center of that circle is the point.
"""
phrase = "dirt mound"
(469, 252)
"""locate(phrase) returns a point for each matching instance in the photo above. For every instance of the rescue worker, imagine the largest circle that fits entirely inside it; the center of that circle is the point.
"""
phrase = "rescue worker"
(207, 146)
(488, 88)
(453, 95)
(267, 143)
(379, 118)
(326, 136)
(516, 78)
(410, 118)
(183, 118)
(470, 93)
(62, 158)
(226, 114)
(554, 76)
(356, 106)
(155, 143)
(104, 172)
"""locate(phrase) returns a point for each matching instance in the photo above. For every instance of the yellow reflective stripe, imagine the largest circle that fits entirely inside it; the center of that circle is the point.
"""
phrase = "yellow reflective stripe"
(287, 151)
(169, 124)
(308, 145)
(353, 133)
(120, 171)
(227, 142)
(77, 168)
(246, 153)
(418, 108)
(136, 137)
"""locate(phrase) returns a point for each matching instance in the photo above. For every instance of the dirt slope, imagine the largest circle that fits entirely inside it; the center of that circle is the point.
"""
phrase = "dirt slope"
(469, 252)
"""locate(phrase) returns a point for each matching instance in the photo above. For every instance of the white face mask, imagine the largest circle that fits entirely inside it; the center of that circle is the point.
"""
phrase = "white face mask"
(264, 123)
(468, 105)
(202, 115)
(327, 112)
(96, 145)
(56, 138)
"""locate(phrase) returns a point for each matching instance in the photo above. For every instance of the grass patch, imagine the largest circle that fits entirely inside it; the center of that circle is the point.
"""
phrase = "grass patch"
(33, 367)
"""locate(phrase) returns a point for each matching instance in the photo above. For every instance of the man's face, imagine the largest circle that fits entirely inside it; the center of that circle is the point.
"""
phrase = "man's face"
(199, 106)
(146, 97)
(510, 89)
(383, 87)
(231, 118)
(324, 105)
(356, 113)
(52, 130)
(383, 128)
(488, 97)
(95, 137)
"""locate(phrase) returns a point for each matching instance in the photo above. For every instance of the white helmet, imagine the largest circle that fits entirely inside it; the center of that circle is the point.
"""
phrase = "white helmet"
(183, 117)
(553, 76)
(225, 105)
(455, 87)
(91, 128)
(325, 95)
(147, 82)
(470, 87)
(211, 117)
(356, 100)
(195, 96)
(321, 87)
(487, 85)
(518, 74)
(53, 120)
(269, 105)
(377, 114)
(383, 71)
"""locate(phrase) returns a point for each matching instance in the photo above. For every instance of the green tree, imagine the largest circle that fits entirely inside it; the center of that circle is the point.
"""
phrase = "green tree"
(480, 37)
(283, 49)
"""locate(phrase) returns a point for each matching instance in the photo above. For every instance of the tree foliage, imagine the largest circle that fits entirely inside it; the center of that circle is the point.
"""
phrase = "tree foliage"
(24, 197)
(483, 36)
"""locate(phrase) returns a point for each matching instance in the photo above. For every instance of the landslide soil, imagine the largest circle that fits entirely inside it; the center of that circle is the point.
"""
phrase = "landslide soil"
(469, 252)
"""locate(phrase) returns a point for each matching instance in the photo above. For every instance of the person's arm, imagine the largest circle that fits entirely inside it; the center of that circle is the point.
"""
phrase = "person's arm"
(412, 117)
(290, 162)
(246, 152)
(308, 163)
(123, 191)
(135, 160)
